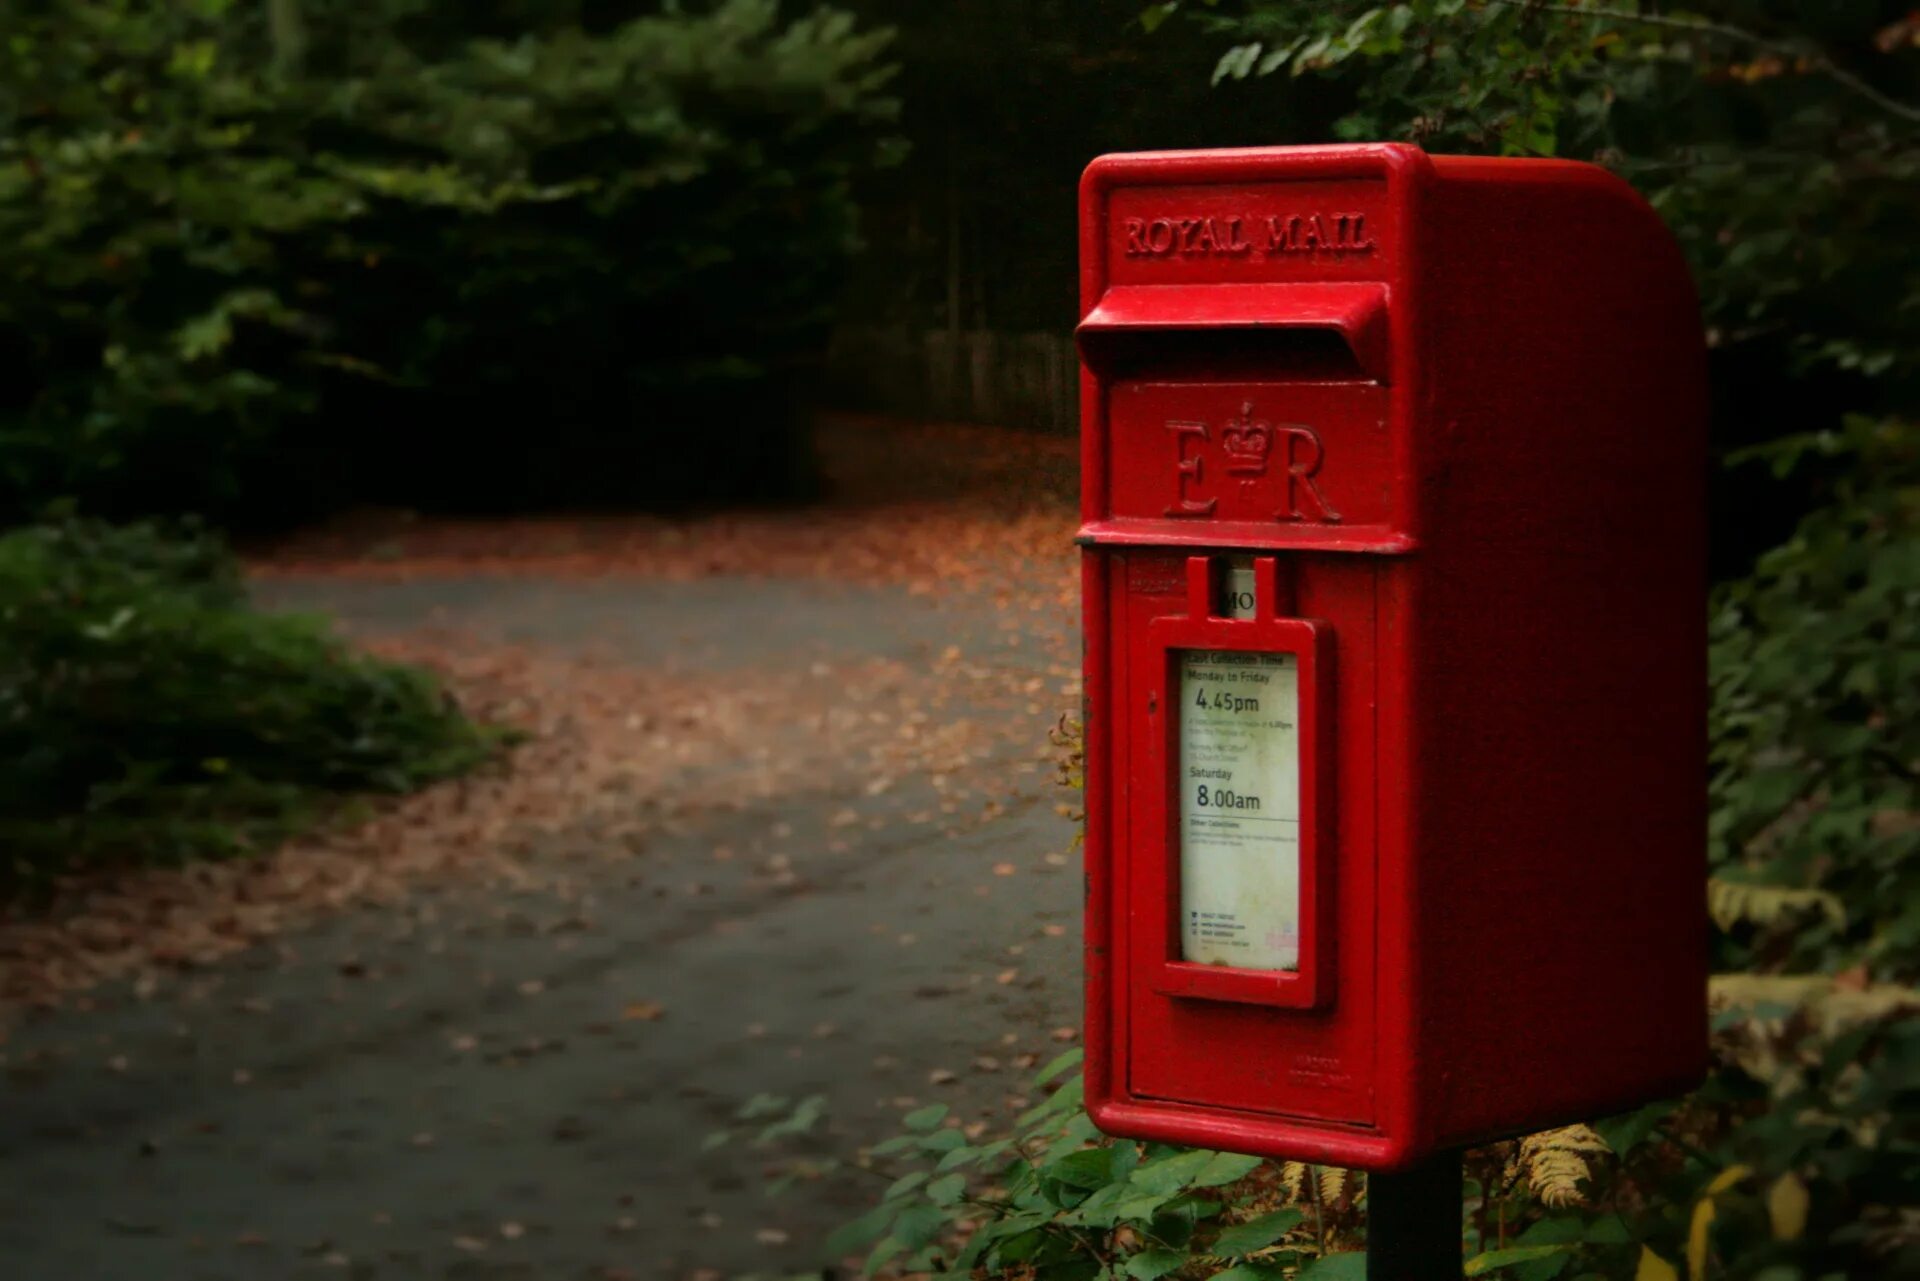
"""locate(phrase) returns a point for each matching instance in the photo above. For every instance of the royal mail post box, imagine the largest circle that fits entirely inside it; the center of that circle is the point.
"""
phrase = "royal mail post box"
(1394, 560)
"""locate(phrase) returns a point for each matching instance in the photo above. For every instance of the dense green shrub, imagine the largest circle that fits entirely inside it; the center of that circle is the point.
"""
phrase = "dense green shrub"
(147, 714)
(258, 277)
(1797, 1162)
(1816, 721)
(640, 316)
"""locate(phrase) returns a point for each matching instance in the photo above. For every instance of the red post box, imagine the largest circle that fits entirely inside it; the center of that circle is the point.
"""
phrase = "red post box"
(1394, 571)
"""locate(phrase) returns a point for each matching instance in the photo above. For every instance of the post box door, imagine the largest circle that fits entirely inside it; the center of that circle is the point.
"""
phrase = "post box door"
(1267, 442)
(1241, 1042)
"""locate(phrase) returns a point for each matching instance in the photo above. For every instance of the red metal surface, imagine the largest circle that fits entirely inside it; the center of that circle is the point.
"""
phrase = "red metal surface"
(1456, 410)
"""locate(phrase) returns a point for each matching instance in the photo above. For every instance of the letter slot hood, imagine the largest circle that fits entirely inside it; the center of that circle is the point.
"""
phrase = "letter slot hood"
(1356, 312)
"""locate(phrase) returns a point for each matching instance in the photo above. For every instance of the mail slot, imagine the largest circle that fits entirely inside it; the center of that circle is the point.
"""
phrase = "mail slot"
(1394, 570)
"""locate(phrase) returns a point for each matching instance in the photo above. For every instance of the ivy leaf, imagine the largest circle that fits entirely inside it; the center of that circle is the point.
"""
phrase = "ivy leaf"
(1627, 1131)
(1102, 1209)
(1237, 63)
(887, 1249)
(1787, 1203)
(860, 1233)
(1150, 1265)
(1060, 1064)
(946, 1190)
(943, 1141)
(917, 1225)
(903, 1185)
(1088, 1168)
(1142, 1206)
(1252, 1272)
(1493, 1260)
(1171, 1175)
(1226, 1167)
(1654, 1268)
(1336, 1267)
(1257, 1234)
(1155, 16)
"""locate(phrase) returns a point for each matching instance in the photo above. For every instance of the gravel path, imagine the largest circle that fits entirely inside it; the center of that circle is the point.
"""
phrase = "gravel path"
(532, 1078)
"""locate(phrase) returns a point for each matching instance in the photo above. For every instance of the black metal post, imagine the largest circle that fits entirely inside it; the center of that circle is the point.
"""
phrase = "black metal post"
(1413, 1222)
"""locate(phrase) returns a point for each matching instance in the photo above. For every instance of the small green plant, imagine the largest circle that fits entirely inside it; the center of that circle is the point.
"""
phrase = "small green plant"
(1055, 1199)
(1797, 1162)
(767, 1121)
(148, 714)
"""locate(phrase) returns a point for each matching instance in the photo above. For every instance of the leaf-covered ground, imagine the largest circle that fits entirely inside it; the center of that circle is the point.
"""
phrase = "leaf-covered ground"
(784, 839)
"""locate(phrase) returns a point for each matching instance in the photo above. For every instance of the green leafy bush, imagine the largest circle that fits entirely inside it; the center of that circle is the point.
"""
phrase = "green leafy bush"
(1065, 1202)
(1816, 719)
(147, 714)
(1797, 1162)
(564, 267)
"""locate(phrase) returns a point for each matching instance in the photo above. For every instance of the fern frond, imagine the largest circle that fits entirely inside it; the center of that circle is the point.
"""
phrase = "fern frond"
(1333, 1184)
(1557, 1161)
(1833, 1007)
(1732, 903)
(1293, 1179)
(1509, 1153)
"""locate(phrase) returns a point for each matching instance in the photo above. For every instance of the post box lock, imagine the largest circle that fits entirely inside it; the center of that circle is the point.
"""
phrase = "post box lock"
(1395, 831)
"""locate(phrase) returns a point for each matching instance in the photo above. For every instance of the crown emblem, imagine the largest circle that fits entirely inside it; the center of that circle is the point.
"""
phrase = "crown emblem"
(1248, 441)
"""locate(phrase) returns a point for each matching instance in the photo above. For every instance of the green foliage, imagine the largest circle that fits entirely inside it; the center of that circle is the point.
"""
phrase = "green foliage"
(768, 1120)
(1816, 715)
(1797, 1162)
(1055, 1199)
(152, 343)
(252, 278)
(146, 713)
(1782, 143)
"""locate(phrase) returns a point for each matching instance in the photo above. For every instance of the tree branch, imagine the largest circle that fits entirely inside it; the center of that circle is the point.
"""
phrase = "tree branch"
(1820, 59)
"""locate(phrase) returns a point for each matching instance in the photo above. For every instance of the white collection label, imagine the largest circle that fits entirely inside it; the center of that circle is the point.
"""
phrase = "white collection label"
(1239, 788)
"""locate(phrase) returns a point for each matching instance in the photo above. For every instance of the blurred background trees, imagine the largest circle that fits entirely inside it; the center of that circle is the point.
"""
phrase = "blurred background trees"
(270, 260)
(273, 259)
